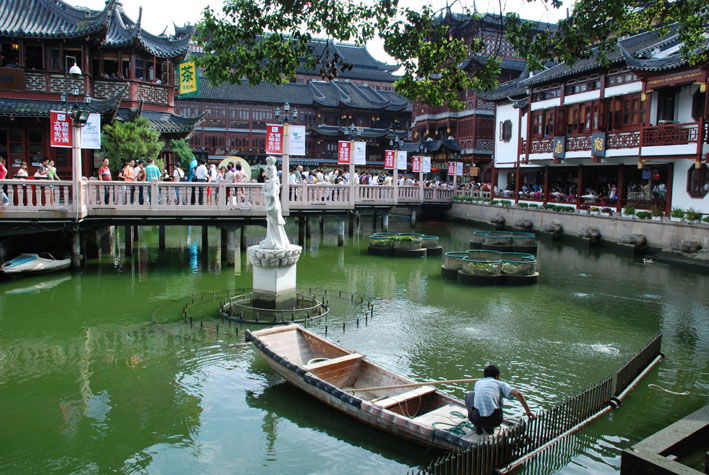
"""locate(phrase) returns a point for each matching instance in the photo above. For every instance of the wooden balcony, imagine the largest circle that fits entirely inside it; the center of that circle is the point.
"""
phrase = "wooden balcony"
(669, 134)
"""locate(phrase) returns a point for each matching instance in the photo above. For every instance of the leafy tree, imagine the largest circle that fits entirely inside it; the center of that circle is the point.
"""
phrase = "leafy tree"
(266, 40)
(183, 151)
(133, 140)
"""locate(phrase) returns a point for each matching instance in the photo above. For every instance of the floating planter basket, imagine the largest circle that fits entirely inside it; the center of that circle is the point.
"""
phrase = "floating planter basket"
(518, 264)
(407, 241)
(498, 238)
(381, 240)
(454, 260)
(478, 239)
(483, 265)
(428, 241)
(523, 239)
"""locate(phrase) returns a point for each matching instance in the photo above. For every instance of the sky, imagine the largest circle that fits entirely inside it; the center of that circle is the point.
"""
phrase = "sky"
(158, 14)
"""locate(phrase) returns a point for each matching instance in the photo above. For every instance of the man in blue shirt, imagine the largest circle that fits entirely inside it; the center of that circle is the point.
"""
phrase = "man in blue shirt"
(193, 166)
(485, 401)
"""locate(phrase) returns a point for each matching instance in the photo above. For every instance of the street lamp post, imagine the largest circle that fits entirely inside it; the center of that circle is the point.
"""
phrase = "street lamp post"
(286, 117)
(396, 142)
(352, 133)
(76, 117)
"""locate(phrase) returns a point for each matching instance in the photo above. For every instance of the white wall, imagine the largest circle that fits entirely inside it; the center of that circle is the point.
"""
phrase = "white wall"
(556, 102)
(684, 104)
(582, 97)
(680, 197)
(506, 152)
(629, 88)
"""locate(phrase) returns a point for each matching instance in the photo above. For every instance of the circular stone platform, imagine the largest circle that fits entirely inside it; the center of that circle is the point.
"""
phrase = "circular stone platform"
(521, 279)
(447, 273)
(409, 252)
(380, 251)
(434, 251)
(470, 279)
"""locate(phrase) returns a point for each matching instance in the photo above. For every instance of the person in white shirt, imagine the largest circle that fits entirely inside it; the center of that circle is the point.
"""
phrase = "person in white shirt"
(201, 175)
(177, 176)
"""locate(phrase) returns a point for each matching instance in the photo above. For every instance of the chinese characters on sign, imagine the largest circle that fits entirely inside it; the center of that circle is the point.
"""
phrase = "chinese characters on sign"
(426, 164)
(360, 153)
(297, 140)
(343, 152)
(559, 147)
(598, 144)
(91, 133)
(274, 139)
(188, 77)
(451, 168)
(415, 163)
(389, 159)
(401, 159)
(459, 168)
(60, 129)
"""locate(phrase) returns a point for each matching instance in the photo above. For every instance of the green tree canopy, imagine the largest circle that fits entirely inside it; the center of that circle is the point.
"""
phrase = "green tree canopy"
(266, 40)
(183, 151)
(133, 140)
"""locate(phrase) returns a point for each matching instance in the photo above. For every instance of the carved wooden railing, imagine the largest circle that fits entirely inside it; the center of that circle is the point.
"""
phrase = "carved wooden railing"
(670, 134)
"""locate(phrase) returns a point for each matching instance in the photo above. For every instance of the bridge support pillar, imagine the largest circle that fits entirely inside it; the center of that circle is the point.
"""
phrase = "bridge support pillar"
(340, 231)
(161, 237)
(228, 245)
(243, 243)
(322, 226)
(301, 231)
(374, 221)
(385, 222)
(350, 225)
(357, 222)
(136, 233)
(413, 217)
(76, 249)
(128, 236)
(106, 236)
(307, 228)
(205, 240)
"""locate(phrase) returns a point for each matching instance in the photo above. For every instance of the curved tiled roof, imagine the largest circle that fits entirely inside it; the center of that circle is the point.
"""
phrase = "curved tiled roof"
(11, 107)
(330, 94)
(57, 19)
(163, 122)
(364, 66)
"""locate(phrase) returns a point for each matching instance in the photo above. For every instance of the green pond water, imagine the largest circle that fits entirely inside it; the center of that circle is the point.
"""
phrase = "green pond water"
(99, 372)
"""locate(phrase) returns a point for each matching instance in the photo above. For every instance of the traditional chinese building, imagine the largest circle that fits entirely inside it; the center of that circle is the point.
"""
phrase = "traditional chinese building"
(236, 115)
(126, 72)
(629, 134)
(468, 135)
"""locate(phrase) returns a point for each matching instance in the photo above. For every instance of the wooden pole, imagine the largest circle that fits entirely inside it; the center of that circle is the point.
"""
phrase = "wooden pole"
(410, 385)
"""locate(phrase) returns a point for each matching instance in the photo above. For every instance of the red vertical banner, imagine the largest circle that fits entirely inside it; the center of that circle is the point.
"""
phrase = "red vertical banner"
(343, 152)
(389, 158)
(451, 168)
(416, 163)
(60, 134)
(274, 139)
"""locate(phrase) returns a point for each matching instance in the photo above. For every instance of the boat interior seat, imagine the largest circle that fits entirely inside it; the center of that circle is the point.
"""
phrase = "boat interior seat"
(352, 357)
(403, 397)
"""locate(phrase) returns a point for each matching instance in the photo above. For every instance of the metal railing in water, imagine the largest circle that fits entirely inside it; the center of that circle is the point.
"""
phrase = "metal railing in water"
(508, 451)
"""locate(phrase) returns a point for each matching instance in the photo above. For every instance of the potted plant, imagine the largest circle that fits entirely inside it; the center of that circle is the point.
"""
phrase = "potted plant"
(594, 211)
(533, 205)
(656, 213)
(495, 203)
(607, 211)
(692, 216)
(523, 205)
(643, 215)
(584, 209)
(629, 211)
(676, 214)
(505, 203)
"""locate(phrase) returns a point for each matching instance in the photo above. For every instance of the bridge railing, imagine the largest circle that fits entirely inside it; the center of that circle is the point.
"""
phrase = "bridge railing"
(376, 194)
(38, 195)
(409, 194)
(176, 196)
(437, 194)
(319, 196)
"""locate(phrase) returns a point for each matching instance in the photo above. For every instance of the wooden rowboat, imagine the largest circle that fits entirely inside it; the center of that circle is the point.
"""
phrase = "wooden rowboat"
(330, 373)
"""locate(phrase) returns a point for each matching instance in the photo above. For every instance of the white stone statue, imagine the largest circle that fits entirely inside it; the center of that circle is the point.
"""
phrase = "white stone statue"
(276, 237)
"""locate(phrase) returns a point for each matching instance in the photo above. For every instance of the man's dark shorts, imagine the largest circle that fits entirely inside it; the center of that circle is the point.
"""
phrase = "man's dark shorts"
(488, 423)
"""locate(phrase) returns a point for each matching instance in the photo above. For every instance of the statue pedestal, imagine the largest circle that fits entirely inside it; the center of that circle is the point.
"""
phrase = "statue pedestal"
(274, 273)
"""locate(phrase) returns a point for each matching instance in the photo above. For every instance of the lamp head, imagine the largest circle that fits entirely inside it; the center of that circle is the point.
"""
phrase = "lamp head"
(75, 71)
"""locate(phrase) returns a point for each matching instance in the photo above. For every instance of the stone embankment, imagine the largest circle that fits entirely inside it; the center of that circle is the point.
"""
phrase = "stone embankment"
(682, 243)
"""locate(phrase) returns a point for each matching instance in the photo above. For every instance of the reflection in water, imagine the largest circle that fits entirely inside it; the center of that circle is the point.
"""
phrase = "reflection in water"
(87, 383)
